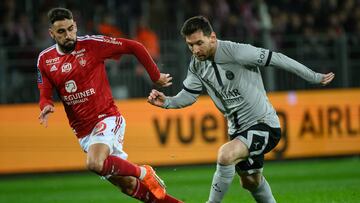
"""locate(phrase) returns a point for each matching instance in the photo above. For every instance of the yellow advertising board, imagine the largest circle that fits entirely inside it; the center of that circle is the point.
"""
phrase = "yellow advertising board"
(318, 123)
(314, 123)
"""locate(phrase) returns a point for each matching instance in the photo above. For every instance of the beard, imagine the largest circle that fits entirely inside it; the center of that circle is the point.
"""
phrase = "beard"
(203, 57)
(68, 46)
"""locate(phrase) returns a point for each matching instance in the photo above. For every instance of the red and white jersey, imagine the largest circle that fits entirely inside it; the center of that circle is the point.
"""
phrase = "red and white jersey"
(80, 78)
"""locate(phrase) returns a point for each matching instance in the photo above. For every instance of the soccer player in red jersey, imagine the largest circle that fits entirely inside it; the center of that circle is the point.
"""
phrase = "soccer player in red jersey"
(75, 68)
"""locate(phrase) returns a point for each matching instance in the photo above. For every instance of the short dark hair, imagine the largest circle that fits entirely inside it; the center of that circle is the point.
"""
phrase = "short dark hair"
(196, 23)
(56, 14)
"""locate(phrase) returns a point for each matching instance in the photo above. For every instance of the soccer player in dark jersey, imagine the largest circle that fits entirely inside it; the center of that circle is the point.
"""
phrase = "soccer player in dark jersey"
(230, 73)
(75, 68)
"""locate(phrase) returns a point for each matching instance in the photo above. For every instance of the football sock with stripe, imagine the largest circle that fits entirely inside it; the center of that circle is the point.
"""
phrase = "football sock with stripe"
(120, 167)
(221, 181)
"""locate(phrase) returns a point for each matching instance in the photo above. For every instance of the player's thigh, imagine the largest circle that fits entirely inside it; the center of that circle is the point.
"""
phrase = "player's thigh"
(232, 152)
(98, 152)
(105, 139)
(259, 139)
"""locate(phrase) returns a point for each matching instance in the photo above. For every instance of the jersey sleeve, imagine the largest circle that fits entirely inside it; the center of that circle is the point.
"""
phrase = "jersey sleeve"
(113, 48)
(182, 99)
(248, 55)
(44, 85)
(284, 62)
(243, 54)
(192, 82)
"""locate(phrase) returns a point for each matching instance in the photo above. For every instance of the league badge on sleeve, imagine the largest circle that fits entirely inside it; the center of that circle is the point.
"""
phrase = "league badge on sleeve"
(39, 76)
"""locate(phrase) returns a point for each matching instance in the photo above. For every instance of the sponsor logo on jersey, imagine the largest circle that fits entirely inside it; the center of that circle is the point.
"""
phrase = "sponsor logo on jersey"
(102, 115)
(82, 62)
(230, 93)
(66, 67)
(78, 97)
(70, 86)
(52, 61)
(261, 56)
(78, 52)
(53, 68)
(112, 40)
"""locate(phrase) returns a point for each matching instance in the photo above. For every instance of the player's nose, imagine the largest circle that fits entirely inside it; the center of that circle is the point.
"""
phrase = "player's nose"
(195, 50)
(68, 35)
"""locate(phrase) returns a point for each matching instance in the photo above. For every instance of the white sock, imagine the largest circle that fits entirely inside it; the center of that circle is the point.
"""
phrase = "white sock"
(221, 181)
(263, 193)
(142, 172)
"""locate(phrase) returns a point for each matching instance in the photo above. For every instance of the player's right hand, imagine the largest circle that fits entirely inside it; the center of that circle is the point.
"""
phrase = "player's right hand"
(156, 98)
(327, 78)
(164, 80)
(45, 113)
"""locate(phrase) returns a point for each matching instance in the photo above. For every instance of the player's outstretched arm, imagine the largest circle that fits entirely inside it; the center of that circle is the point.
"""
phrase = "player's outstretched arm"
(156, 98)
(164, 80)
(327, 78)
(45, 113)
(181, 100)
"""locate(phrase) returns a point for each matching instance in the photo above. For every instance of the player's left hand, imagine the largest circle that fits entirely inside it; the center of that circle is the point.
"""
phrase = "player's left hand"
(164, 80)
(45, 113)
(327, 78)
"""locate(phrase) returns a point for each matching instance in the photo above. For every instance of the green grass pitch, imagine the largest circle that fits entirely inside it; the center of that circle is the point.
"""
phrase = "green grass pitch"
(306, 181)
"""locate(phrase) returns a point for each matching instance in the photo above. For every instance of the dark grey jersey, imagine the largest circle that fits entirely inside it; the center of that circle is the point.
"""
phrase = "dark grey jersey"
(233, 81)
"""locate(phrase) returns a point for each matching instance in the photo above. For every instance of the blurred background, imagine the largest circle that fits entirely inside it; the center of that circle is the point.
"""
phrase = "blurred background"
(323, 34)
(318, 123)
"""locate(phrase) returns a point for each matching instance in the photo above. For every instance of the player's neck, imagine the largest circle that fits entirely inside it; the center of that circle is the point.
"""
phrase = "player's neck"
(212, 51)
(65, 50)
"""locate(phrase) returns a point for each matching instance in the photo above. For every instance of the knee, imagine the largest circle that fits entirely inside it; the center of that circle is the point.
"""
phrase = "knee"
(94, 164)
(225, 156)
(232, 152)
(250, 183)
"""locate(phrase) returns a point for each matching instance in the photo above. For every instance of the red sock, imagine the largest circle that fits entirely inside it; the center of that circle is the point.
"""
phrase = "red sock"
(116, 166)
(141, 192)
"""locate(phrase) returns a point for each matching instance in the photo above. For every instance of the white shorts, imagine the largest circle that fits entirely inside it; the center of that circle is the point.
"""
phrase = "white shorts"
(109, 131)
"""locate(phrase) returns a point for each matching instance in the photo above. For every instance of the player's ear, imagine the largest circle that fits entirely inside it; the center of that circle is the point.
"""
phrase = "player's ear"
(75, 26)
(51, 33)
(213, 37)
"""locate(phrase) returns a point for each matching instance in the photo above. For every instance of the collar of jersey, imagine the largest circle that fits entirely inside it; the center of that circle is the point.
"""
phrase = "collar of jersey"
(58, 50)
